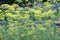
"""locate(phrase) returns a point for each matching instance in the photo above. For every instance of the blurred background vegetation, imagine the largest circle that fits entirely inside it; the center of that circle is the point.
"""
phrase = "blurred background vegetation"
(25, 2)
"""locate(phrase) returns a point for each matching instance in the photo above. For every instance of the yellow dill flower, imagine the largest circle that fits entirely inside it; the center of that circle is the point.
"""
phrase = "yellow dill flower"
(14, 5)
(48, 5)
(9, 14)
(11, 31)
(32, 10)
(44, 14)
(5, 5)
(26, 16)
(18, 9)
(39, 25)
(17, 12)
(33, 28)
(51, 11)
(23, 35)
(42, 28)
(16, 15)
(48, 22)
(37, 13)
(11, 8)
(1, 18)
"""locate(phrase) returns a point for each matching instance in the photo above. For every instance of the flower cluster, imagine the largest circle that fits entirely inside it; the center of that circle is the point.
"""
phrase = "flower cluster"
(17, 23)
